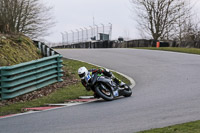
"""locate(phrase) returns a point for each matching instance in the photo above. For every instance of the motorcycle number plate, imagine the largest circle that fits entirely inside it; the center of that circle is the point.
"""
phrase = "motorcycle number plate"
(116, 93)
(88, 78)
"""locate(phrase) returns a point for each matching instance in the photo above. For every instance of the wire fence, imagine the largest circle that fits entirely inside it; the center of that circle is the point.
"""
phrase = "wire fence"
(96, 32)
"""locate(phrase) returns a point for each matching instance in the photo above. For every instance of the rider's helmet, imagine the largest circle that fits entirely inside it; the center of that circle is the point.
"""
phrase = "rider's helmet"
(82, 72)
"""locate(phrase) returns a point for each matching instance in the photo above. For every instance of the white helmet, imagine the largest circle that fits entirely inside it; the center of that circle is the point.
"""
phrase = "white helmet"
(82, 72)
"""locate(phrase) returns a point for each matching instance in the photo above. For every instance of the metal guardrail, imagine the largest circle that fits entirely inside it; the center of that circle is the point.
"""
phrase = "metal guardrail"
(46, 50)
(26, 77)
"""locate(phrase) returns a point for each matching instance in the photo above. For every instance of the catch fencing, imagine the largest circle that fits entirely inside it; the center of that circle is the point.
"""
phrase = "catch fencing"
(131, 43)
(115, 44)
(26, 77)
(86, 34)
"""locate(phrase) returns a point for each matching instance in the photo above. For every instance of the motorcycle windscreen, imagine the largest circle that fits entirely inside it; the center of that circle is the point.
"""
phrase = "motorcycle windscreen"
(104, 79)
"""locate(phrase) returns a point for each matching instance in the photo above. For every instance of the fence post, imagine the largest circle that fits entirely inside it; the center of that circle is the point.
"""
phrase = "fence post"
(43, 50)
(39, 46)
(48, 50)
(59, 66)
(52, 52)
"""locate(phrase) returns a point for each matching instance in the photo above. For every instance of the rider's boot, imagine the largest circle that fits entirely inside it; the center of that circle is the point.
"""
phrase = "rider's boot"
(119, 82)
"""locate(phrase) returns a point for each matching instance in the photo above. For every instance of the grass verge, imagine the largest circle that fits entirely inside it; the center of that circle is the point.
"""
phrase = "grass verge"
(72, 91)
(191, 127)
(174, 49)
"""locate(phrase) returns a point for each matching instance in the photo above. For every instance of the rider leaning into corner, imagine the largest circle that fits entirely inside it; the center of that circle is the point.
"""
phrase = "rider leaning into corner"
(83, 72)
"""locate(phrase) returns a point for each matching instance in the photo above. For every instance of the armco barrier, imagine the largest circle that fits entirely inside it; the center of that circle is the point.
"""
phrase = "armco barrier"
(26, 77)
(46, 50)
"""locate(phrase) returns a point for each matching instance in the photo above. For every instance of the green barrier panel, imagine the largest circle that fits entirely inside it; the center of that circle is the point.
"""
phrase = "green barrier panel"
(22, 78)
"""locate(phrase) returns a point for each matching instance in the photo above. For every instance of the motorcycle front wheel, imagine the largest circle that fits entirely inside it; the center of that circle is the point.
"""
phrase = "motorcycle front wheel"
(104, 92)
(127, 92)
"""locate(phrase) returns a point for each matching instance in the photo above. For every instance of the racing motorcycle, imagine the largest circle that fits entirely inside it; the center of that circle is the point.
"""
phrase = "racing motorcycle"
(106, 88)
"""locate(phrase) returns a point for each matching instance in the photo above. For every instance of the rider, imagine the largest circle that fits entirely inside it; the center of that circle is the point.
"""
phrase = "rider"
(83, 72)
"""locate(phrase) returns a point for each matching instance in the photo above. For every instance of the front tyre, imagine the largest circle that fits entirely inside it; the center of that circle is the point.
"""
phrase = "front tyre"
(104, 92)
(127, 92)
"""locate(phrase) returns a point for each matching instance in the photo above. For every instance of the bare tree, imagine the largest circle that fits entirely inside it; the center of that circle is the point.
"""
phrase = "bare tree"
(191, 33)
(30, 17)
(157, 17)
(190, 20)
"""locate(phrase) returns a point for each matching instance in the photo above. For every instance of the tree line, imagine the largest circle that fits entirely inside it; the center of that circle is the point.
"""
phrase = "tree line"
(157, 19)
(167, 19)
(29, 17)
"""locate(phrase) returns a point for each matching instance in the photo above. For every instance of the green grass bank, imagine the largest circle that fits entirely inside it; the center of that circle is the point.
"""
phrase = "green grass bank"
(15, 49)
(173, 49)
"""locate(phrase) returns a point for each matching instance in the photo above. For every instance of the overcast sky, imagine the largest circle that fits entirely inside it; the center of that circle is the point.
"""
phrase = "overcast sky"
(75, 14)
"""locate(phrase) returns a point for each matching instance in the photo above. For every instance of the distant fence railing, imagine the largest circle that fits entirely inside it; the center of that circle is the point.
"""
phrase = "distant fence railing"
(115, 44)
(131, 43)
(26, 77)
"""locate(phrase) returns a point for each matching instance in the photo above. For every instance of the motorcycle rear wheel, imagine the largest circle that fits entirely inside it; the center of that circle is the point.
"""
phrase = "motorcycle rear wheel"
(104, 92)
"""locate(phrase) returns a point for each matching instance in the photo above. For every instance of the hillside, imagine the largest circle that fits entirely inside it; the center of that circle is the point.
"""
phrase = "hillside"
(15, 49)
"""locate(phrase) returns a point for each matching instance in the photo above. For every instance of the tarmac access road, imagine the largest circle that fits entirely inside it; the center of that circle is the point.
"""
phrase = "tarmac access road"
(167, 92)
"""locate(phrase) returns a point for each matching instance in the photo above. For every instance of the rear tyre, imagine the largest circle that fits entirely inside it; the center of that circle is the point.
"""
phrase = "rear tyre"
(104, 92)
(127, 92)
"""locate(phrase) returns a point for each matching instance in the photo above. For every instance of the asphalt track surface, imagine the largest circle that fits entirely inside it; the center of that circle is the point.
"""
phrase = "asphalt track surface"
(167, 92)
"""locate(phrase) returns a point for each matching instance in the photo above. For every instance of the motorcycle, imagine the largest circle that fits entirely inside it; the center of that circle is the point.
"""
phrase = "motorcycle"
(106, 88)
